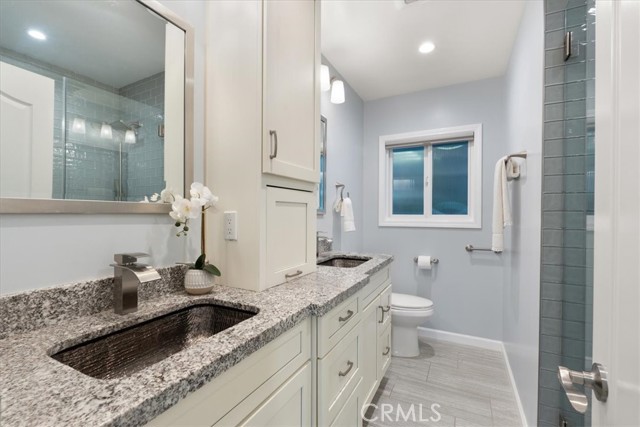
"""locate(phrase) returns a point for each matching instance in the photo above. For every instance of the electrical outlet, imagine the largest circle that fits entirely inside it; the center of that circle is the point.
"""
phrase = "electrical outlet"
(231, 225)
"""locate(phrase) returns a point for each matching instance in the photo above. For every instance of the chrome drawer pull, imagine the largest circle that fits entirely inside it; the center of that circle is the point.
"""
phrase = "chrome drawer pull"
(386, 310)
(350, 365)
(382, 316)
(297, 273)
(386, 351)
(274, 134)
(344, 319)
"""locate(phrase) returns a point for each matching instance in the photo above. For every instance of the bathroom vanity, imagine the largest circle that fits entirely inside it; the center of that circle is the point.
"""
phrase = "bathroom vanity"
(309, 352)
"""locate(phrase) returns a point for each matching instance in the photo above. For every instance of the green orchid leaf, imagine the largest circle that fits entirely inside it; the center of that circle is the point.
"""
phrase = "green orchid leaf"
(200, 262)
(210, 268)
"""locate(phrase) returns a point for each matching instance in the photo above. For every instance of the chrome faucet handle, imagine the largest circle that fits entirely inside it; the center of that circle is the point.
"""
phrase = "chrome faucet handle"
(129, 258)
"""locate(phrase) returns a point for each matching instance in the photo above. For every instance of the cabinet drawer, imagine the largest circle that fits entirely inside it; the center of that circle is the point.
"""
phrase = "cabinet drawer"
(338, 374)
(373, 288)
(290, 240)
(337, 323)
(384, 351)
(385, 309)
(349, 415)
(243, 387)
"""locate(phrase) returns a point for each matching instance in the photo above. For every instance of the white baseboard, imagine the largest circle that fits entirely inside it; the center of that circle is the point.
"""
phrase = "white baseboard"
(512, 379)
(460, 339)
(481, 343)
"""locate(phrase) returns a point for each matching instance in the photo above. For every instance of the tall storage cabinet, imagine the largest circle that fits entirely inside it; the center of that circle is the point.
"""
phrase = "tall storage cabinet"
(262, 136)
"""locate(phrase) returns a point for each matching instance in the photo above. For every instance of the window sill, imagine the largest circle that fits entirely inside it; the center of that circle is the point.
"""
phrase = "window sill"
(422, 223)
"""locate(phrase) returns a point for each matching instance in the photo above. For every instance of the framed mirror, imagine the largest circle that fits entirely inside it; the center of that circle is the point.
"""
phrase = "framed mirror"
(96, 105)
(322, 186)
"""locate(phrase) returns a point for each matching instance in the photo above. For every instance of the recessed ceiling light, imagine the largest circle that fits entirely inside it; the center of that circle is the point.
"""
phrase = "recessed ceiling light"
(38, 35)
(426, 47)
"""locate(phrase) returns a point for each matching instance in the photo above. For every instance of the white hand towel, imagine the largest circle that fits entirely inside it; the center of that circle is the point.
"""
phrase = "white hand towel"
(337, 206)
(513, 169)
(348, 222)
(501, 208)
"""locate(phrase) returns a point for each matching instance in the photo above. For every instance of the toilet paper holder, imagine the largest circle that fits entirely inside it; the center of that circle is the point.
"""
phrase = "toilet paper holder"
(433, 260)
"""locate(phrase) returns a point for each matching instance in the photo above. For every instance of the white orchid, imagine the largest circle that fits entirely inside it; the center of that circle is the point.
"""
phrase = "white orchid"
(154, 197)
(167, 196)
(204, 196)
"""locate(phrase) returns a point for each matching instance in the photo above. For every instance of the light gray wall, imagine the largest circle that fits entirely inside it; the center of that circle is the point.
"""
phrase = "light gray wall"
(524, 98)
(466, 289)
(43, 250)
(344, 163)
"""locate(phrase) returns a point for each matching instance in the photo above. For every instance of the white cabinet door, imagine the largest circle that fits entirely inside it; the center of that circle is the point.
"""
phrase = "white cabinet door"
(289, 406)
(290, 236)
(291, 113)
(369, 332)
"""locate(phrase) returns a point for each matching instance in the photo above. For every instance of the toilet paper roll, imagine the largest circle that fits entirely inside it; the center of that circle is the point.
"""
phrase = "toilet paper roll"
(424, 262)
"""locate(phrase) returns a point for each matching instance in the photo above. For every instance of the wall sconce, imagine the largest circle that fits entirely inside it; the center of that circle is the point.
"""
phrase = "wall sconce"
(325, 78)
(337, 91)
(336, 85)
(130, 137)
(106, 132)
(79, 126)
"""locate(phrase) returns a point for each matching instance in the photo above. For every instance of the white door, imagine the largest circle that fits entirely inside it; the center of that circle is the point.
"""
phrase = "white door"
(26, 133)
(616, 318)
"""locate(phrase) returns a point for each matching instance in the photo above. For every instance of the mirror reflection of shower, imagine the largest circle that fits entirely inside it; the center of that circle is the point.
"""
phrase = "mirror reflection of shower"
(129, 136)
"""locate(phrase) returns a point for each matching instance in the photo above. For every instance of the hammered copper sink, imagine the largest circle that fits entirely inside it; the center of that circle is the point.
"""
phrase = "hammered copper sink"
(344, 262)
(132, 349)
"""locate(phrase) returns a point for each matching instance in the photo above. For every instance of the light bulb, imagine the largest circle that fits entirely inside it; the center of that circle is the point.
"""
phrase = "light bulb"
(36, 34)
(426, 47)
(79, 126)
(337, 92)
(130, 137)
(106, 131)
(325, 79)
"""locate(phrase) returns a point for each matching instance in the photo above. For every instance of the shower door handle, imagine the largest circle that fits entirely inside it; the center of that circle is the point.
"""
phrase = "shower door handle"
(596, 379)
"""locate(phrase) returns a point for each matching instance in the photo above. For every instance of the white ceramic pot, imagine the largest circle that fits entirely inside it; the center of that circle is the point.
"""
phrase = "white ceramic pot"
(198, 282)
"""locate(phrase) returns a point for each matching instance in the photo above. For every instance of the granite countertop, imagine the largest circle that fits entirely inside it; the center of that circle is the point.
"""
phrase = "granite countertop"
(38, 390)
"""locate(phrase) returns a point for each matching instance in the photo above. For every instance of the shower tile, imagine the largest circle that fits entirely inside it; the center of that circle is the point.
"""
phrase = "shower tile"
(553, 130)
(554, 39)
(554, 111)
(555, 75)
(575, 109)
(554, 21)
(575, 275)
(551, 309)
(551, 327)
(553, 166)
(574, 72)
(552, 273)
(554, 93)
(549, 379)
(552, 184)
(573, 312)
(552, 6)
(576, 16)
(552, 291)
(553, 202)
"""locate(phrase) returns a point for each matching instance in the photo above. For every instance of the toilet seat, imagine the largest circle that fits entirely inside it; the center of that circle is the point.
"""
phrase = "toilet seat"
(404, 302)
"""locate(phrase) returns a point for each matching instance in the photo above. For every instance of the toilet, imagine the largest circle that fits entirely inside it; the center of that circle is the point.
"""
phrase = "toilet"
(407, 313)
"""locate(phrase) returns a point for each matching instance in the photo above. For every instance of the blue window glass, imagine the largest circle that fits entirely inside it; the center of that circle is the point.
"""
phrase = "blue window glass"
(450, 182)
(408, 180)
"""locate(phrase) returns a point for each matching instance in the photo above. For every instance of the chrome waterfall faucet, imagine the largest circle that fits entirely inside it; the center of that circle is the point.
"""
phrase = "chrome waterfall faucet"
(127, 275)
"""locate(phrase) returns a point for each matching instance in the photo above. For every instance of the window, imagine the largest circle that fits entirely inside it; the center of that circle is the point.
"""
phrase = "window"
(431, 178)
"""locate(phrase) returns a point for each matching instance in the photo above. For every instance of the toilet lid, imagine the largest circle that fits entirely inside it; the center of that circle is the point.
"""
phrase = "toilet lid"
(409, 301)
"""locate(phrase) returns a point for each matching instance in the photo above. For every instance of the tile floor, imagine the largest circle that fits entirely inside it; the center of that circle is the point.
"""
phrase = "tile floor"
(470, 384)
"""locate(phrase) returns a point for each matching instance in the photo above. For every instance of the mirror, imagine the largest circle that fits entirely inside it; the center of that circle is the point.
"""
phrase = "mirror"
(95, 105)
(322, 186)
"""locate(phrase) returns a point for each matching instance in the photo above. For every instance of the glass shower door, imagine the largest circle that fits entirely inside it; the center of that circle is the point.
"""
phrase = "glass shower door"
(566, 311)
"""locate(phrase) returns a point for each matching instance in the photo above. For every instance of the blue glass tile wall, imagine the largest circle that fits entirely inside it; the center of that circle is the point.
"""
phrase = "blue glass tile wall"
(567, 205)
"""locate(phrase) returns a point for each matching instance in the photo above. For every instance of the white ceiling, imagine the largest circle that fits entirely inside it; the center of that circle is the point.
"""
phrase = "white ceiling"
(374, 43)
(113, 42)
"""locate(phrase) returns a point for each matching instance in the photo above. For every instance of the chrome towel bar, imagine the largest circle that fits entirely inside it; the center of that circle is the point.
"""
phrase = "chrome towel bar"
(471, 248)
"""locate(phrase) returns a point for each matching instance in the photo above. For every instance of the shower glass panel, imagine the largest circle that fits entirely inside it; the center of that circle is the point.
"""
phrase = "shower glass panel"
(566, 311)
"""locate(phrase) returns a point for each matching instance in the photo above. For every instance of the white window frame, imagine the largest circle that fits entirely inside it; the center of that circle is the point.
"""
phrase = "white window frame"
(429, 138)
